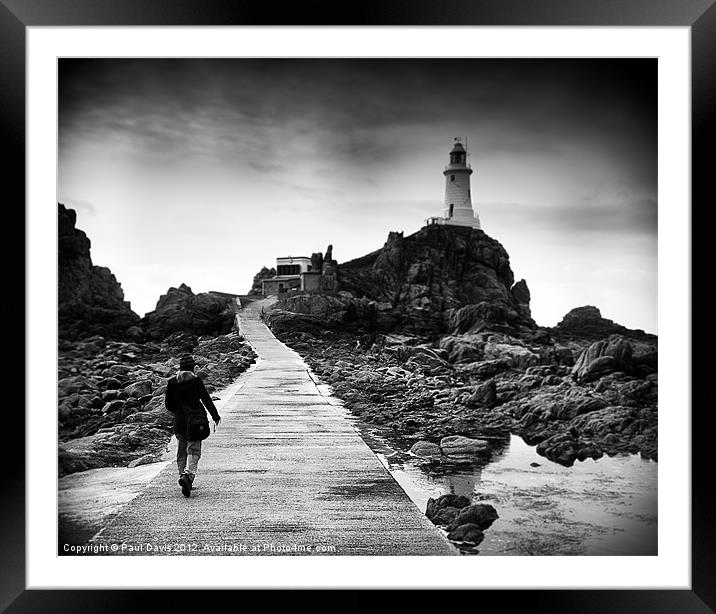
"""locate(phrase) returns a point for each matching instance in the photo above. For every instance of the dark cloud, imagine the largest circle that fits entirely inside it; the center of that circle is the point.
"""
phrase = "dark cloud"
(360, 144)
(346, 96)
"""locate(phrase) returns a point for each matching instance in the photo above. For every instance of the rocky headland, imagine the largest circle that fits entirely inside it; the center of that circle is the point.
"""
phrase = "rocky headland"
(91, 301)
(113, 365)
(431, 337)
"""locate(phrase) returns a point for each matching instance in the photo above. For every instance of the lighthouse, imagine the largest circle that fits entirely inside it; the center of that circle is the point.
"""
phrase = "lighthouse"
(457, 209)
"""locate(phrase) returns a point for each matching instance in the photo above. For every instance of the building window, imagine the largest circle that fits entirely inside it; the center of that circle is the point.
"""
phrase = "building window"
(452, 206)
(288, 269)
(452, 177)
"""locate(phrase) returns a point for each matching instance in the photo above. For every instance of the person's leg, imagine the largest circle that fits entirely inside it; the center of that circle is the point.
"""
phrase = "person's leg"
(194, 454)
(181, 453)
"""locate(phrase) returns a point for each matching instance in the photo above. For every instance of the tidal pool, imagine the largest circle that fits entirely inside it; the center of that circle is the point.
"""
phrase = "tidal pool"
(604, 507)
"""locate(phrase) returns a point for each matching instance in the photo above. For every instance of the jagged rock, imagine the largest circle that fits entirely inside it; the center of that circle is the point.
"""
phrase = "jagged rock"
(90, 300)
(443, 501)
(462, 348)
(480, 514)
(474, 318)
(135, 333)
(139, 389)
(519, 356)
(468, 533)
(317, 261)
(110, 383)
(180, 310)
(445, 515)
(587, 322)
(264, 273)
(437, 269)
(484, 395)
(427, 357)
(521, 293)
(486, 368)
(329, 272)
(602, 358)
(560, 448)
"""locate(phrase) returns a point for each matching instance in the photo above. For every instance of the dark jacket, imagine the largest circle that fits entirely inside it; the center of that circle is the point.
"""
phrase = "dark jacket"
(186, 393)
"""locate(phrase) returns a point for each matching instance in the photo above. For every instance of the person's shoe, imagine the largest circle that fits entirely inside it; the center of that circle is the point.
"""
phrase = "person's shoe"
(185, 483)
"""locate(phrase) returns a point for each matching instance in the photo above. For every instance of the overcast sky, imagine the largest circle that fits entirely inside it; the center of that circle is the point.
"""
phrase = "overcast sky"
(203, 171)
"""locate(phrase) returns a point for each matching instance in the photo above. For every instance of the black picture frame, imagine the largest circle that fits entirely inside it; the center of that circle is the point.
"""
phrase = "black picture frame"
(699, 15)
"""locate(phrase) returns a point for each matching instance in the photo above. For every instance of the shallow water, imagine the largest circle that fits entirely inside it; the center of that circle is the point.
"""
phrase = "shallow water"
(604, 507)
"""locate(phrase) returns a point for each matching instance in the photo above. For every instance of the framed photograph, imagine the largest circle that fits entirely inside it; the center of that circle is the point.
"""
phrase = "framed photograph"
(413, 267)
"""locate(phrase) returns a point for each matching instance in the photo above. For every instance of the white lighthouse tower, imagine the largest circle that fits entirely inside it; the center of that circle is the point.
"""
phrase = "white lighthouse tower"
(458, 209)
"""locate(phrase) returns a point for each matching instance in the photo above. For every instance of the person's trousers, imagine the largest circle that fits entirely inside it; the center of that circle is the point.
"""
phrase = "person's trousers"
(188, 455)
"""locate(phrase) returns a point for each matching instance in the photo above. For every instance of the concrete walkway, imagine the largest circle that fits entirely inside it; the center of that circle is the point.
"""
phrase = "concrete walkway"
(286, 473)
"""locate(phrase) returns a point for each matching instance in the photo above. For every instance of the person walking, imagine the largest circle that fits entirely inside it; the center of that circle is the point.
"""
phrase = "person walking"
(187, 398)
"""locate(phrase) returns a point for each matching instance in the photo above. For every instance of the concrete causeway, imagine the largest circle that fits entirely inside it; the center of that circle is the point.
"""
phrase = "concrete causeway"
(284, 472)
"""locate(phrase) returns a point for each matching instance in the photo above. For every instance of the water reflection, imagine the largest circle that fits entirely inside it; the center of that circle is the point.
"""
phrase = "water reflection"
(604, 507)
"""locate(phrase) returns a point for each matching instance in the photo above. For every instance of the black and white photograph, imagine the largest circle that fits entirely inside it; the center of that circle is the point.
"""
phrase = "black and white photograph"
(357, 306)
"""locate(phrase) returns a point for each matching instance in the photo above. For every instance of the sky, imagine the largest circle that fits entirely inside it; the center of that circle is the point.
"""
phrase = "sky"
(202, 171)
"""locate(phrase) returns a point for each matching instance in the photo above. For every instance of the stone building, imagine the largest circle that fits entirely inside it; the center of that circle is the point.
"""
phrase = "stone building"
(457, 209)
(317, 274)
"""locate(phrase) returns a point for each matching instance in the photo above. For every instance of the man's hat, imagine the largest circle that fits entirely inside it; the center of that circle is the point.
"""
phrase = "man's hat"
(186, 363)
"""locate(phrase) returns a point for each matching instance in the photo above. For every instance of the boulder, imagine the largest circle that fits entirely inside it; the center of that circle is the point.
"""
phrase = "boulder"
(110, 383)
(474, 318)
(484, 395)
(139, 389)
(561, 448)
(182, 311)
(602, 358)
(468, 533)
(427, 357)
(426, 449)
(448, 500)
(459, 446)
(480, 514)
(519, 356)
(445, 515)
(486, 368)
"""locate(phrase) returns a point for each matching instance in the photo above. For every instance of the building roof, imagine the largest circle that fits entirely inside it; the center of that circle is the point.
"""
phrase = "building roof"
(282, 278)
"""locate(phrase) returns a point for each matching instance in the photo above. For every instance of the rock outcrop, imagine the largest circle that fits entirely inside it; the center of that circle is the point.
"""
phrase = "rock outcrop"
(465, 522)
(430, 337)
(602, 358)
(111, 395)
(180, 310)
(90, 299)
(264, 273)
(587, 323)
(445, 271)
